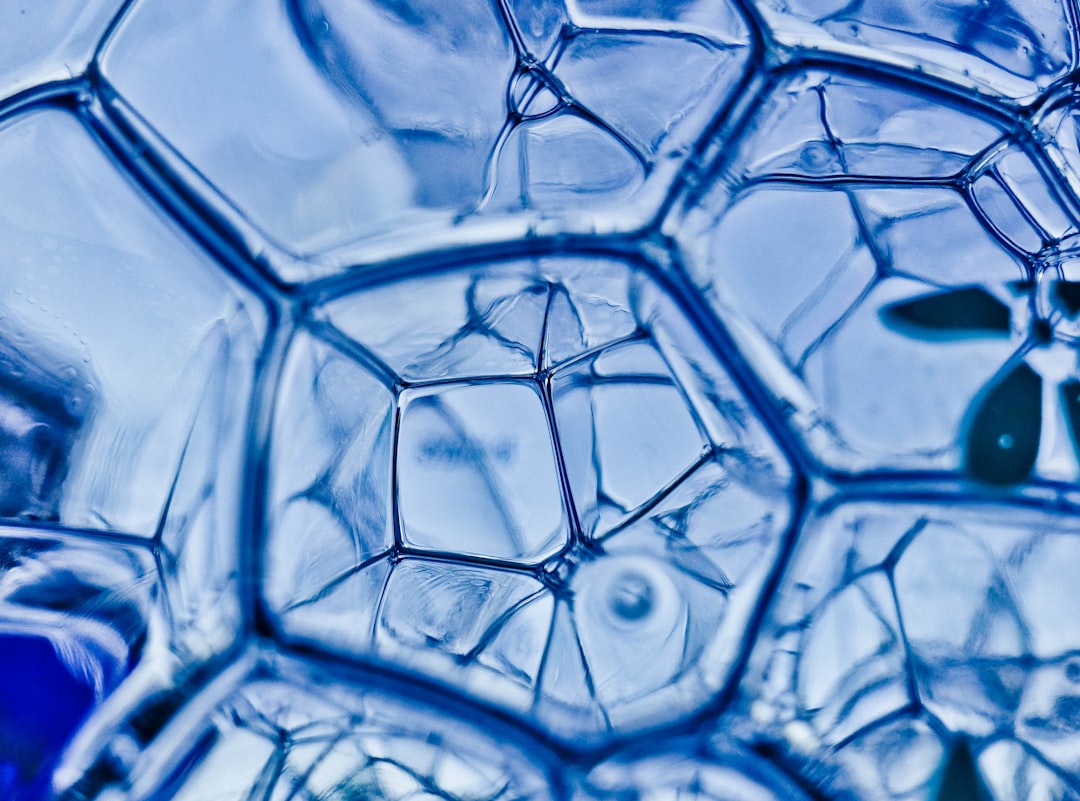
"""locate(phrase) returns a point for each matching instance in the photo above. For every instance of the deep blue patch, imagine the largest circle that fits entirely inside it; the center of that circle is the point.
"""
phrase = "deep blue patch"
(41, 705)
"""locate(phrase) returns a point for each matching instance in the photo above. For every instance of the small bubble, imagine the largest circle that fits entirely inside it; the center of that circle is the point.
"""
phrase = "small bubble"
(816, 155)
(1006, 441)
(763, 712)
(630, 596)
(124, 750)
(801, 737)
(532, 95)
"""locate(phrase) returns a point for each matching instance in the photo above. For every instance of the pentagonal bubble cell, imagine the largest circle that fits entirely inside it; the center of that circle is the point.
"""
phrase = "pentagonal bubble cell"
(505, 116)
(75, 620)
(490, 442)
(874, 396)
(286, 730)
(903, 610)
(554, 454)
(119, 334)
(1013, 50)
(128, 359)
(900, 325)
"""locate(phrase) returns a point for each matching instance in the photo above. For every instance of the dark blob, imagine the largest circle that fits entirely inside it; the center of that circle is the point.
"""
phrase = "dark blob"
(631, 596)
(44, 401)
(41, 705)
(959, 779)
(1069, 395)
(1004, 427)
(1042, 333)
(1066, 296)
(951, 313)
(1067, 713)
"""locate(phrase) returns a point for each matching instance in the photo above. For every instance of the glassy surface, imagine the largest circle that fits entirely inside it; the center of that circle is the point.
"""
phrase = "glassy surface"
(539, 400)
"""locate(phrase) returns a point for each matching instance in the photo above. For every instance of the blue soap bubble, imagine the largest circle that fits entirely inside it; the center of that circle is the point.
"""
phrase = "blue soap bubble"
(557, 400)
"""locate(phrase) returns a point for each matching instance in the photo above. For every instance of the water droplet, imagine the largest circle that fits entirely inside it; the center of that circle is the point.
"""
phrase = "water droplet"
(1004, 426)
(631, 596)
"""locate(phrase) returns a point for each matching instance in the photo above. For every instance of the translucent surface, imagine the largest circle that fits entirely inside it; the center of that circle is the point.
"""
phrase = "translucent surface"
(539, 400)
(1012, 49)
(73, 623)
(506, 115)
(899, 623)
(588, 581)
(908, 301)
(280, 732)
(43, 42)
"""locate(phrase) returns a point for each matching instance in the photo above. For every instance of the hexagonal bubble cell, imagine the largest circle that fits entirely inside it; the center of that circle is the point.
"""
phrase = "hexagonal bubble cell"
(532, 480)
(918, 316)
(506, 115)
(902, 629)
(282, 729)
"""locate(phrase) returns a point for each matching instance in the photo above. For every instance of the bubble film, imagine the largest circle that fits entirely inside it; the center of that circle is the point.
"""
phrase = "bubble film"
(557, 400)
